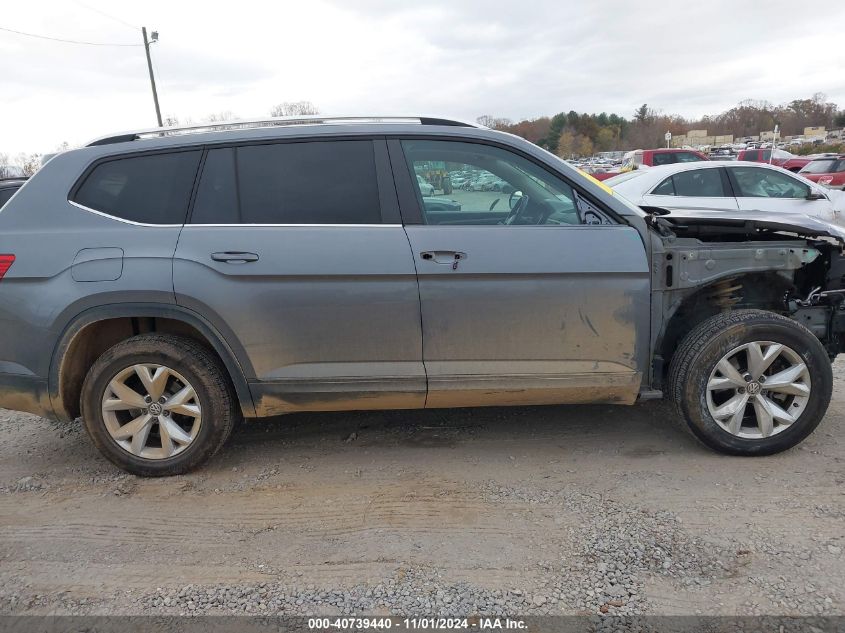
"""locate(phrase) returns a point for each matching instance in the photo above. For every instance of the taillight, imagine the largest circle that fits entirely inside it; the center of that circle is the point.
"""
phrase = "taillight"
(6, 262)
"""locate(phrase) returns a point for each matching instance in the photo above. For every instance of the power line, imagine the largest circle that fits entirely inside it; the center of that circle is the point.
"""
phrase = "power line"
(106, 15)
(59, 39)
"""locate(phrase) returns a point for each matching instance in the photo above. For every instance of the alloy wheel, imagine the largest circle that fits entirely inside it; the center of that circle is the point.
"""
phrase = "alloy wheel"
(151, 411)
(758, 389)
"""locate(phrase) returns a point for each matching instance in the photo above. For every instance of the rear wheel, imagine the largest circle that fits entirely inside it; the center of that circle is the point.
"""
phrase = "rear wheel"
(158, 405)
(751, 382)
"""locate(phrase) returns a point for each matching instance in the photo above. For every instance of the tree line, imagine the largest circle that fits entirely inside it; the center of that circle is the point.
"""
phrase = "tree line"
(572, 133)
(582, 134)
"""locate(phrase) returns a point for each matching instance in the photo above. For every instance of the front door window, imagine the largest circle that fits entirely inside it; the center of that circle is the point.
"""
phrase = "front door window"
(491, 186)
(756, 182)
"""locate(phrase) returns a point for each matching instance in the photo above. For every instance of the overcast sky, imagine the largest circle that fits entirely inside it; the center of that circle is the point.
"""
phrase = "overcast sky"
(460, 58)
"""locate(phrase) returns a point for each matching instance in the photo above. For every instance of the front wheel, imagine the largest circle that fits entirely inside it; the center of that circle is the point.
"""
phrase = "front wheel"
(158, 405)
(751, 382)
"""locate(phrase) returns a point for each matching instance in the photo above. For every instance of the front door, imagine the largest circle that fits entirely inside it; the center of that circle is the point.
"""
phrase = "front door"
(771, 190)
(529, 292)
(295, 251)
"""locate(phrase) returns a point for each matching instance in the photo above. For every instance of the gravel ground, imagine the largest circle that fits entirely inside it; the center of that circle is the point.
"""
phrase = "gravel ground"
(529, 511)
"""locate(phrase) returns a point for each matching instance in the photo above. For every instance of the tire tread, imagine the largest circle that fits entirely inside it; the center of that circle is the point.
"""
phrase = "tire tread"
(204, 363)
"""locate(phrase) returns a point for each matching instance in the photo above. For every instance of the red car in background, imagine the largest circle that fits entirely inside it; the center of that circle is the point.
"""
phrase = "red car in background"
(828, 171)
(651, 157)
(664, 156)
(781, 158)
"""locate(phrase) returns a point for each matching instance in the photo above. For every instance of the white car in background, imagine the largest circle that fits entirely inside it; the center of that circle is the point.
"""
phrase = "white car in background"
(730, 188)
(426, 189)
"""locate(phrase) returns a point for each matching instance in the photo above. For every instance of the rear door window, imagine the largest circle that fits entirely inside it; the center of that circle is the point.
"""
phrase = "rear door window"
(150, 189)
(699, 183)
(696, 183)
(318, 182)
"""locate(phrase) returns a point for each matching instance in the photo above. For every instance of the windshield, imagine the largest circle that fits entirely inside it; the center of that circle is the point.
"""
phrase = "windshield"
(819, 167)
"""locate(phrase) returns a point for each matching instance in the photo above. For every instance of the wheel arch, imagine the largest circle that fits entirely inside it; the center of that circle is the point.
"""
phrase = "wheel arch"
(94, 330)
(758, 290)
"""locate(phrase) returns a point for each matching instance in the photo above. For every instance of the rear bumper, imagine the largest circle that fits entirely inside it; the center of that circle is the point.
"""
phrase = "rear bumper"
(25, 393)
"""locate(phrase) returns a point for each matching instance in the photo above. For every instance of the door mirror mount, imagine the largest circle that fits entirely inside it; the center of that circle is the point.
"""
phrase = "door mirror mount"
(816, 195)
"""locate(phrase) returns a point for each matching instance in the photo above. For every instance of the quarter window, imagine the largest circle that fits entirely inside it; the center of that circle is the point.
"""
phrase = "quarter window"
(320, 182)
(151, 189)
(665, 188)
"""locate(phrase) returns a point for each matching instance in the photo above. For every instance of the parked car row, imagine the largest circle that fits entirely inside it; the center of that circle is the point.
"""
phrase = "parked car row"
(465, 180)
(716, 187)
(778, 157)
(827, 170)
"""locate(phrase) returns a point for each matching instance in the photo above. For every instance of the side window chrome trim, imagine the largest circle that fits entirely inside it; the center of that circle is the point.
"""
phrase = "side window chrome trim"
(114, 217)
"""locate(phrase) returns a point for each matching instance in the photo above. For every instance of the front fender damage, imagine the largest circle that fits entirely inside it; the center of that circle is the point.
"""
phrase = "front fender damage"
(701, 267)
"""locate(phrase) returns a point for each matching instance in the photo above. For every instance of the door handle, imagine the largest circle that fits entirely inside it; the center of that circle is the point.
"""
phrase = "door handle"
(235, 257)
(444, 257)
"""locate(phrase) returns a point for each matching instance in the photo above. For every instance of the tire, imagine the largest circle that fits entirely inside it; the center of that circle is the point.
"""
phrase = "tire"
(205, 416)
(733, 335)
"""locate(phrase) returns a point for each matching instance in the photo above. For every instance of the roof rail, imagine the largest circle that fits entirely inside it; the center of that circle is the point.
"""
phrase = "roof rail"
(220, 126)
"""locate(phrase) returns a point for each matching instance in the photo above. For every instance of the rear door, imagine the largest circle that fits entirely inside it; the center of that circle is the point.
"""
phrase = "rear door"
(534, 296)
(700, 189)
(296, 253)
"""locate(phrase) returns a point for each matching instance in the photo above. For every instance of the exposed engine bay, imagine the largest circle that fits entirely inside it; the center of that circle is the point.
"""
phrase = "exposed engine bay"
(703, 265)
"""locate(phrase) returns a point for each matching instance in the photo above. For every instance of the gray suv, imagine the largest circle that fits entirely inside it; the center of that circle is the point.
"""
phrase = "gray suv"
(164, 284)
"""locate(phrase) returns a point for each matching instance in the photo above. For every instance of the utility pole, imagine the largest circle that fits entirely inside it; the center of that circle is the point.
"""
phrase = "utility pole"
(150, 68)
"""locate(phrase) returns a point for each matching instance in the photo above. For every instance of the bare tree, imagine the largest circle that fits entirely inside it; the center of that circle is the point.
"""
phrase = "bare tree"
(29, 163)
(494, 123)
(219, 117)
(294, 108)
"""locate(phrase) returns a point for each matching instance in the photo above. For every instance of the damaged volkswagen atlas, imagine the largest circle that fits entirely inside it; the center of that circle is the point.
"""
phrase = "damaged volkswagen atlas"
(163, 284)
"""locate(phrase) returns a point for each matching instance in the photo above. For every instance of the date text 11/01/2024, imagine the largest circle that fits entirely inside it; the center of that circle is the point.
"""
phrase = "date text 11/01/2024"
(414, 624)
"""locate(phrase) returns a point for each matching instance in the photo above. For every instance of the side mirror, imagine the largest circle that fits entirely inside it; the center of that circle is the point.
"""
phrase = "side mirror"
(816, 195)
(515, 196)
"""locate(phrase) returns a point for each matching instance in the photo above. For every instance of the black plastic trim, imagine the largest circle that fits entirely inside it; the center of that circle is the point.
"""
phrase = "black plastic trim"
(409, 203)
(230, 360)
